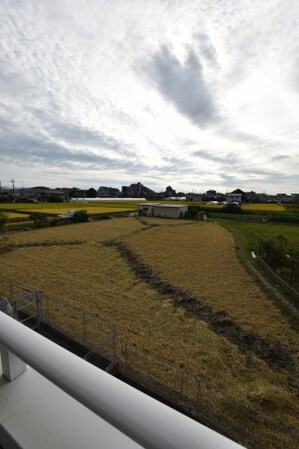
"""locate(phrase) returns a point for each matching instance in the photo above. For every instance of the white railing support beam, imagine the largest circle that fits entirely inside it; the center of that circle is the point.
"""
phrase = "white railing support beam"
(12, 366)
(145, 420)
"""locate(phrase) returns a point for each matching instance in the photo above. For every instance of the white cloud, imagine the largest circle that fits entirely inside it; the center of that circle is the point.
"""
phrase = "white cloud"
(194, 94)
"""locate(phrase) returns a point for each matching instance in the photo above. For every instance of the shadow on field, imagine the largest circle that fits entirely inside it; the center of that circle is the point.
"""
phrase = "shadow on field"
(273, 353)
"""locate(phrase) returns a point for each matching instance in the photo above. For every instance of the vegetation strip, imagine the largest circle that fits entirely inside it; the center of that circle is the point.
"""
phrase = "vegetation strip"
(274, 354)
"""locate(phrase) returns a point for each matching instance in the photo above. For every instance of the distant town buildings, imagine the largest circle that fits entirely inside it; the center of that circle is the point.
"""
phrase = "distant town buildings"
(169, 191)
(108, 192)
(137, 190)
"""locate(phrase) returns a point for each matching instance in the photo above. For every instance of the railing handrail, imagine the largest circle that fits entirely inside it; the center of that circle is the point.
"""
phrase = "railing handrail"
(142, 418)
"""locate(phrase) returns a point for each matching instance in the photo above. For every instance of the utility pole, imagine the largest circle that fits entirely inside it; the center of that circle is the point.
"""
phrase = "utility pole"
(13, 186)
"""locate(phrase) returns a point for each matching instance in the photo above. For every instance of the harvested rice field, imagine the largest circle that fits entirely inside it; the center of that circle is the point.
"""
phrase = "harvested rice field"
(174, 288)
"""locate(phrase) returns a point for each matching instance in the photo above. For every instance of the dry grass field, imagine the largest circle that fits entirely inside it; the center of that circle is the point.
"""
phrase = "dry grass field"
(198, 258)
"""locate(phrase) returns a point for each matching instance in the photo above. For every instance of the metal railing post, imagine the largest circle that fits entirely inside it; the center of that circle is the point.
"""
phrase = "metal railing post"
(12, 366)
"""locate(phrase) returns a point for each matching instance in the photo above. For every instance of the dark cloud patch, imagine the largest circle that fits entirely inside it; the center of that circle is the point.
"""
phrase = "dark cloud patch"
(12, 83)
(37, 150)
(206, 48)
(208, 155)
(254, 176)
(229, 179)
(175, 163)
(79, 135)
(282, 178)
(212, 155)
(232, 134)
(259, 171)
(183, 85)
(282, 157)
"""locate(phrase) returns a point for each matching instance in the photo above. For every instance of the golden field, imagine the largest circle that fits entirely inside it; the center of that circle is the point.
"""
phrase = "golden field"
(264, 207)
(198, 257)
(91, 210)
(16, 215)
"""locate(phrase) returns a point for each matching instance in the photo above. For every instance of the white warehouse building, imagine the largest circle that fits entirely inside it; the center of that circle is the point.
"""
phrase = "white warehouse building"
(162, 210)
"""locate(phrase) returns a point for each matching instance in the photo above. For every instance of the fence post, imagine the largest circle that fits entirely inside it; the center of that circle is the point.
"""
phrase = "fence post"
(198, 388)
(11, 288)
(15, 309)
(84, 326)
(47, 307)
(114, 334)
(182, 382)
(126, 357)
(292, 272)
(38, 295)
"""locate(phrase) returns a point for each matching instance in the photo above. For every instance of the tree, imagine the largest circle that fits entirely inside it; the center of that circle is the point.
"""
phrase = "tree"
(92, 193)
(80, 216)
(274, 251)
(231, 208)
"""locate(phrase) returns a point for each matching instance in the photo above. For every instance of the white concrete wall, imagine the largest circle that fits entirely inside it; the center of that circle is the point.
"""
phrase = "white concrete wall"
(169, 212)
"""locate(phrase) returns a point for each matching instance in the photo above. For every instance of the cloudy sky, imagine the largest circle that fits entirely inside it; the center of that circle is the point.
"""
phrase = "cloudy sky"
(195, 94)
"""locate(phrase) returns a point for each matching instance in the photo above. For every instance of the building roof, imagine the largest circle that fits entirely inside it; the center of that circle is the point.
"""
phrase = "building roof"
(149, 204)
(176, 206)
(172, 206)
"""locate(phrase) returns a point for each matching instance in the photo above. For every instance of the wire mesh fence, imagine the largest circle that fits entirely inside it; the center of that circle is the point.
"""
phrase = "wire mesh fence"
(208, 403)
(154, 369)
(25, 302)
(274, 255)
(90, 329)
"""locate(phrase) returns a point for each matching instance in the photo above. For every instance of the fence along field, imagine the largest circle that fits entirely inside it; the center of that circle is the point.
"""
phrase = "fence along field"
(192, 256)
(254, 235)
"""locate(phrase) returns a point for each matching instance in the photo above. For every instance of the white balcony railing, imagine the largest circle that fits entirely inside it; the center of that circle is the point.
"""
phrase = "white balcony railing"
(146, 421)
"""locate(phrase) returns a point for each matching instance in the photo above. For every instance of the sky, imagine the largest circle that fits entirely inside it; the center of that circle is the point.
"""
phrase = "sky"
(194, 94)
